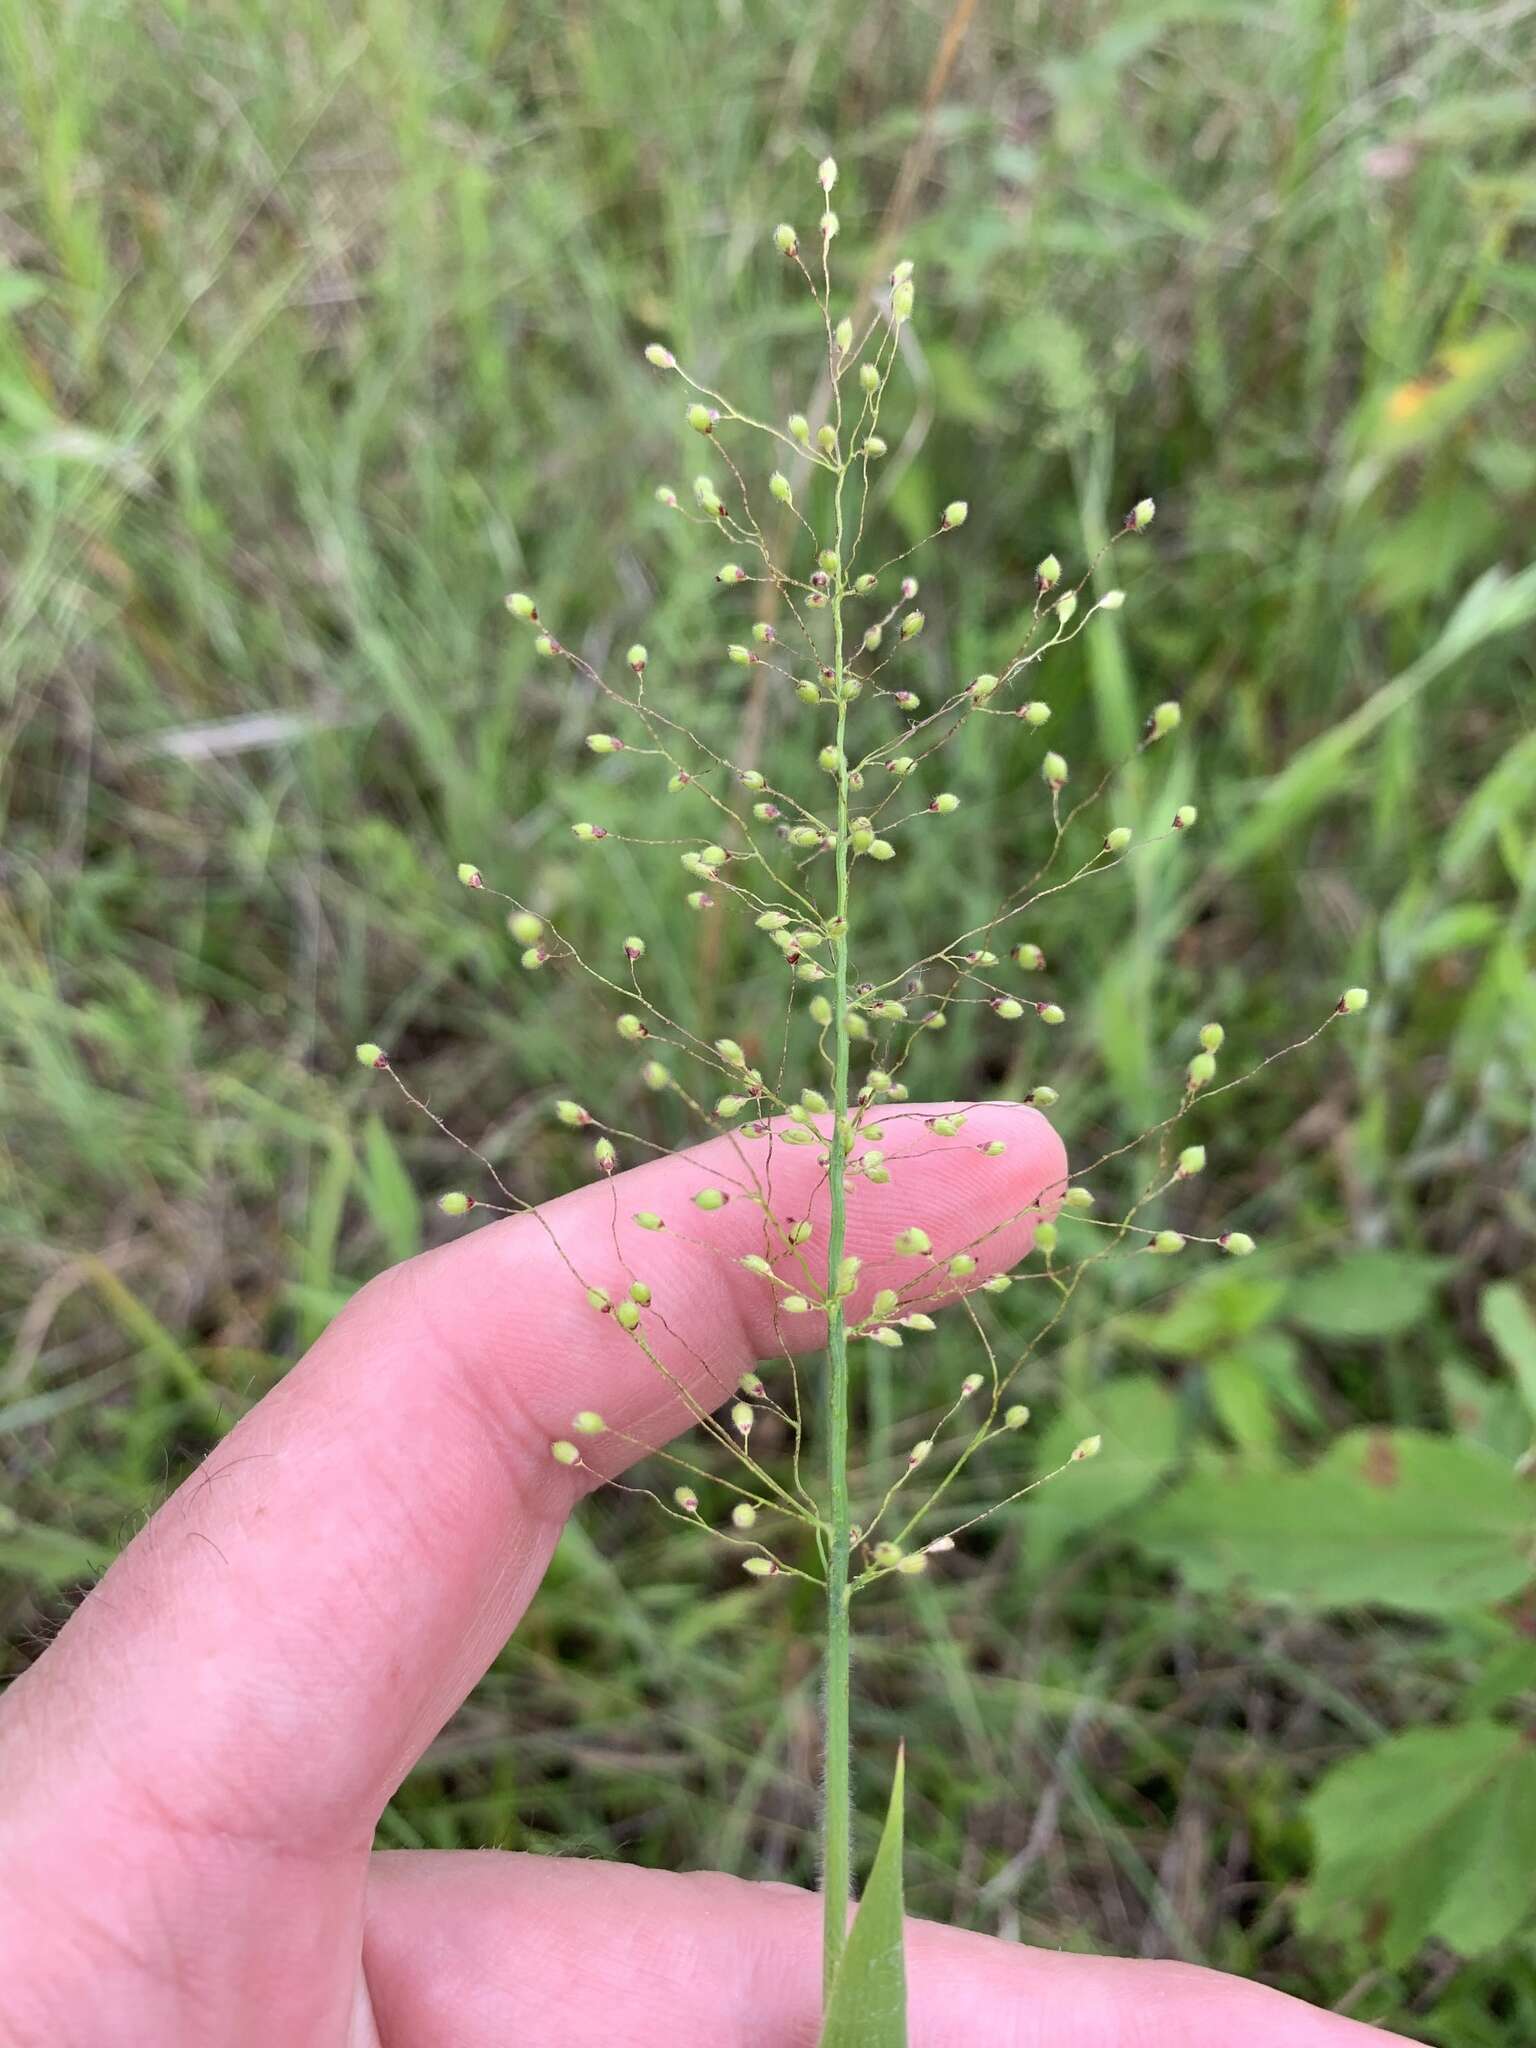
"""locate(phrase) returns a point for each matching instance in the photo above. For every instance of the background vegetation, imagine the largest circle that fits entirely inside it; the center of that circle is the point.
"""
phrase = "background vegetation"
(319, 330)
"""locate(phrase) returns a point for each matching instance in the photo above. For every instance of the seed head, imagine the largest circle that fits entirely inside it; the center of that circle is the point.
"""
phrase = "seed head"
(799, 428)
(710, 1199)
(1078, 1198)
(1053, 770)
(912, 625)
(902, 298)
(604, 1155)
(522, 606)
(1168, 1244)
(1007, 1007)
(525, 927)
(1088, 1448)
(785, 240)
(369, 1055)
(701, 419)
(743, 1416)
(1166, 718)
(455, 1204)
(588, 1423)
(1184, 817)
(686, 1499)
(1050, 1013)
(1139, 518)
(869, 377)
(604, 743)
(730, 572)
(955, 514)
(1212, 1037)
(1048, 573)
(1117, 840)
(627, 1315)
(649, 1220)
(842, 334)
(544, 644)
(1353, 1001)
(1045, 1238)
(1237, 1242)
(1201, 1069)
(743, 1515)
(760, 1567)
(1111, 601)
(962, 1265)
(1035, 713)
(1191, 1161)
(1041, 1098)
(913, 1243)
(1016, 1416)
(1066, 606)
(1028, 956)
(945, 803)
(564, 1453)
(589, 833)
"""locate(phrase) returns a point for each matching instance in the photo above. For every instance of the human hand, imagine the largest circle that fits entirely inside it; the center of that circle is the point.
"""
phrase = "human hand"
(192, 1773)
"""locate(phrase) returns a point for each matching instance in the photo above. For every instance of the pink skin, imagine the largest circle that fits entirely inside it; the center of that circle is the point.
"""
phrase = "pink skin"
(193, 1772)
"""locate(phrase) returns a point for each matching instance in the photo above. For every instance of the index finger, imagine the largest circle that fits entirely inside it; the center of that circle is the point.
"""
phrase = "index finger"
(299, 1620)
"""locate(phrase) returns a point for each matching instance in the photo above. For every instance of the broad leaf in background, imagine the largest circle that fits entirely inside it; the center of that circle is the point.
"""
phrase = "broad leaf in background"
(1485, 1410)
(1389, 1518)
(1368, 1294)
(1224, 1304)
(1139, 1422)
(868, 2006)
(1431, 1833)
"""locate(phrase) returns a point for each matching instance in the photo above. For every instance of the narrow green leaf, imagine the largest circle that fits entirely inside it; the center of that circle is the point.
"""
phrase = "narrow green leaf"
(868, 2006)
(49, 1558)
(1496, 603)
(390, 1193)
(1508, 1319)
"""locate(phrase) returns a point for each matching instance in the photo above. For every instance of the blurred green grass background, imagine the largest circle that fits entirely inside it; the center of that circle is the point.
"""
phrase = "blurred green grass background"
(320, 329)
